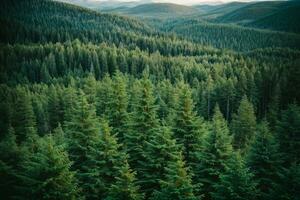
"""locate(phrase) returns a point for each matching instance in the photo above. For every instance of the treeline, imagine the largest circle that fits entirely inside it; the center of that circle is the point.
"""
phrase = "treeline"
(233, 37)
(128, 138)
(267, 77)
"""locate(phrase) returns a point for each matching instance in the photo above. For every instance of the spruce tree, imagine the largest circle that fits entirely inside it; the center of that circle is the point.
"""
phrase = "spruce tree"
(117, 107)
(82, 132)
(47, 173)
(217, 150)
(188, 129)
(11, 157)
(143, 124)
(243, 125)
(24, 121)
(177, 184)
(289, 183)
(264, 161)
(124, 186)
(289, 134)
(236, 182)
(159, 150)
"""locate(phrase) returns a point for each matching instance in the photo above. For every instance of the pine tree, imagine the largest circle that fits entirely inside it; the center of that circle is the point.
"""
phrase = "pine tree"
(46, 173)
(289, 187)
(24, 121)
(264, 161)
(289, 134)
(117, 108)
(124, 187)
(159, 150)
(243, 125)
(10, 158)
(236, 182)
(216, 152)
(144, 123)
(177, 185)
(188, 129)
(54, 107)
(82, 132)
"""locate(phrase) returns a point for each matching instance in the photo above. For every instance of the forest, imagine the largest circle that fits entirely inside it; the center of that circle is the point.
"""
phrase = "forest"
(99, 105)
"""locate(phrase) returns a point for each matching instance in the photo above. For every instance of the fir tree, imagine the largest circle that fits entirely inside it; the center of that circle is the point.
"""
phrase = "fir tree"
(188, 129)
(11, 157)
(177, 184)
(159, 150)
(289, 134)
(243, 125)
(124, 187)
(144, 123)
(236, 182)
(82, 132)
(289, 184)
(117, 109)
(47, 173)
(264, 161)
(216, 152)
(24, 121)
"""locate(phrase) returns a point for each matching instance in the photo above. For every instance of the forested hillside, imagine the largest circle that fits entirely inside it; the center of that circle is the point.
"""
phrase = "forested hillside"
(100, 106)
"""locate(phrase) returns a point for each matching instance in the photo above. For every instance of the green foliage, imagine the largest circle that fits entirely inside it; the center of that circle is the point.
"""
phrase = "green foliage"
(264, 161)
(98, 106)
(289, 134)
(243, 125)
(177, 184)
(124, 187)
(47, 173)
(236, 182)
(214, 158)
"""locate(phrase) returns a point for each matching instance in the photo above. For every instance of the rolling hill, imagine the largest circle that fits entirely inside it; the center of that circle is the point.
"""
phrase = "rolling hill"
(254, 11)
(284, 20)
(157, 10)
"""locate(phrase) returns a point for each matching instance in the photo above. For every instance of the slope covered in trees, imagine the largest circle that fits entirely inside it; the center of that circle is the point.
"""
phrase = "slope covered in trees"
(97, 106)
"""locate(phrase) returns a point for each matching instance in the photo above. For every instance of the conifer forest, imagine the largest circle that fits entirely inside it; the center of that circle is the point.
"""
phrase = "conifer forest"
(139, 100)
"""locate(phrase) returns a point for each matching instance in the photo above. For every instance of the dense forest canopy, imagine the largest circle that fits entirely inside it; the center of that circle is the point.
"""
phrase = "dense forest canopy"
(101, 106)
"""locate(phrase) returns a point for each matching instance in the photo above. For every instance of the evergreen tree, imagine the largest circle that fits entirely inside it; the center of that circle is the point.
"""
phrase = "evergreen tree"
(264, 161)
(289, 187)
(216, 152)
(144, 123)
(124, 187)
(159, 151)
(117, 108)
(289, 134)
(236, 182)
(243, 125)
(82, 132)
(177, 184)
(47, 174)
(24, 121)
(188, 129)
(11, 157)
(54, 107)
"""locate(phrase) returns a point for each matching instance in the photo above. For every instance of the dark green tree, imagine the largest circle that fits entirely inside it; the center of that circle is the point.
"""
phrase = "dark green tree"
(289, 134)
(214, 157)
(177, 184)
(82, 132)
(124, 186)
(243, 125)
(264, 161)
(24, 121)
(236, 182)
(47, 173)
